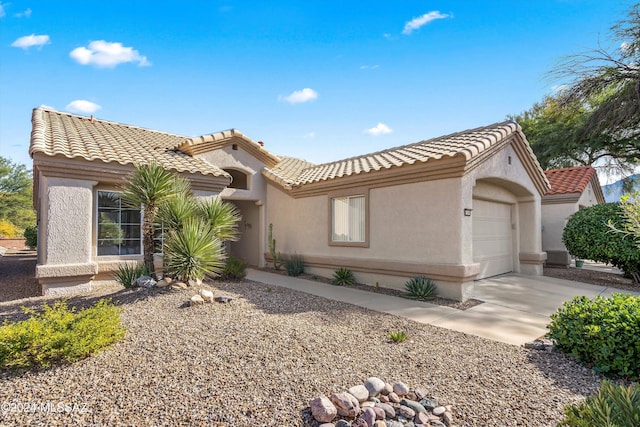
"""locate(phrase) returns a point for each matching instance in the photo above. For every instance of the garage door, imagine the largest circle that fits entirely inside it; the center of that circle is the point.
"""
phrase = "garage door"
(492, 238)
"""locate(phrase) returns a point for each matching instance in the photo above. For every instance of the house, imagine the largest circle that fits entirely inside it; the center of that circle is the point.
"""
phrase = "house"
(571, 189)
(455, 208)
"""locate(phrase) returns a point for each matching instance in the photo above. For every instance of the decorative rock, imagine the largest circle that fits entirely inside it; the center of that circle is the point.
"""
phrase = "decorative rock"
(420, 393)
(402, 419)
(540, 344)
(346, 404)
(437, 424)
(360, 392)
(145, 282)
(195, 282)
(343, 423)
(206, 295)
(387, 389)
(374, 400)
(196, 300)
(322, 409)
(367, 404)
(388, 409)
(392, 423)
(393, 398)
(326, 425)
(400, 388)
(429, 404)
(406, 412)
(380, 423)
(417, 407)
(447, 418)
(374, 385)
(162, 283)
(223, 299)
(182, 285)
(421, 418)
(380, 414)
(409, 424)
(369, 416)
(383, 398)
(438, 410)
(360, 422)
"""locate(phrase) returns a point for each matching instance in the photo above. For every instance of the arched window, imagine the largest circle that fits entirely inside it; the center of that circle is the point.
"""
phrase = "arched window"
(239, 179)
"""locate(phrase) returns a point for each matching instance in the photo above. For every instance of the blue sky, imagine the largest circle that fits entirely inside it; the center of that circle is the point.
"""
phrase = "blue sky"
(320, 80)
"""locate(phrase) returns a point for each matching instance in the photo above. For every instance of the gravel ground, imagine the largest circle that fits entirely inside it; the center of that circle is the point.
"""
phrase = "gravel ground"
(259, 360)
(594, 277)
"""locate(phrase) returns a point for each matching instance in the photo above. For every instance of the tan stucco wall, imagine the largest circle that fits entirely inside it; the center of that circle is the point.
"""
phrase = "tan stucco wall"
(65, 259)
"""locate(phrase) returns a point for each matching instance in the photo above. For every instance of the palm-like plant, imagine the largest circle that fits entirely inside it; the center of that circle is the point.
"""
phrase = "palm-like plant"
(222, 217)
(149, 187)
(193, 251)
(177, 210)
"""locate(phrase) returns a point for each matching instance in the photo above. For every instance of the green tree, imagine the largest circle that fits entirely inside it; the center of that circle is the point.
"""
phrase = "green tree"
(148, 188)
(16, 189)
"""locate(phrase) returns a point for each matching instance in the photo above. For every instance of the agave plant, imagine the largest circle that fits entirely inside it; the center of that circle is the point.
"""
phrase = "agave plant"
(193, 251)
(343, 276)
(421, 288)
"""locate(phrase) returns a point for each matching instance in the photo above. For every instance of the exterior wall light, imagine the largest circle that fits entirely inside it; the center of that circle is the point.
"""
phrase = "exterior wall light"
(467, 212)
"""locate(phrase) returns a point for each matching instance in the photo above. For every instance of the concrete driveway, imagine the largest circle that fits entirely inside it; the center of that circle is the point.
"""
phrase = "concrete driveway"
(516, 308)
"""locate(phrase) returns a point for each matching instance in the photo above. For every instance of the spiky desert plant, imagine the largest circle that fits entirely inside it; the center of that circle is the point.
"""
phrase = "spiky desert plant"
(223, 218)
(343, 276)
(397, 336)
(175, 211)
(421, 288)
(294, 265)
(148, 187)
(613, 405)
(193, 251)
(275, 255)
(127, 273)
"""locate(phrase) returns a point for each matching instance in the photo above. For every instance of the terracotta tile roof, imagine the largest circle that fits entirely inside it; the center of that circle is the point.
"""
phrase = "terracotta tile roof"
(469, 144)
(57, 133)
(569, 180)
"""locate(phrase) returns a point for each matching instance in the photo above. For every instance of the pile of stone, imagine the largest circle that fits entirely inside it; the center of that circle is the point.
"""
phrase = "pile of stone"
(379, 404)
(206, 296)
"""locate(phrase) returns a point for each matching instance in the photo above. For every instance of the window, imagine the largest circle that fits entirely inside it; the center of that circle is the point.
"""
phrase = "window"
(348, 219)
(118, 226)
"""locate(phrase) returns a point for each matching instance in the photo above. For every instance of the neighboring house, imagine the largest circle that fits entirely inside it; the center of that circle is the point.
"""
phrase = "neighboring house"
(571, 189)
(455, 208)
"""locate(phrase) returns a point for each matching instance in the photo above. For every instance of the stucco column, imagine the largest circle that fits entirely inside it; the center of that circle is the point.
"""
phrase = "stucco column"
(531, 256)
(66, 263)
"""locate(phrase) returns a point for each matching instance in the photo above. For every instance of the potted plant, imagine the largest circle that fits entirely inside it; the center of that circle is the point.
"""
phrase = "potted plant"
(579, 263)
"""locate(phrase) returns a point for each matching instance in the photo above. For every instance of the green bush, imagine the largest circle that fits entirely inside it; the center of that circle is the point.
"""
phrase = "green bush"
(234, 269)
(603, 333)
(127, 273)
(31, 236)
(588, 235)
(420, 288)
(343, 276)
(613, 405)
(294, 265)
(59, 334)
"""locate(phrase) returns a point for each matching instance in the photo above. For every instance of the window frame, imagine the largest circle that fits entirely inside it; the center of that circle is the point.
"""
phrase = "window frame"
(247, 177)
(355, 192)
(97, 226)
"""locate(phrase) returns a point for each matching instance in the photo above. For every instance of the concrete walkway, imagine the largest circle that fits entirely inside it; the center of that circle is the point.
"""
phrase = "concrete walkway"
(516, 308)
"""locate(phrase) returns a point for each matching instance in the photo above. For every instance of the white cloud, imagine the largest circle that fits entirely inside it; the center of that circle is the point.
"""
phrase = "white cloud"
(28, 41)
(82, 106)
(369, 67)
(26, 14)
(379, 129)
(420, 21)
(2, 12)
(105, 54)
(300, 96)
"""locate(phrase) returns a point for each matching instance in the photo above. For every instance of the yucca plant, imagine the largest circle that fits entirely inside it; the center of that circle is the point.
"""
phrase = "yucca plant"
(294, 265)
(127, 273)
(222, 217)
(613, 405)
(175, 211)
(420, 288)
(148, 188)
(343, 276)
(193, 251)
(397, 336)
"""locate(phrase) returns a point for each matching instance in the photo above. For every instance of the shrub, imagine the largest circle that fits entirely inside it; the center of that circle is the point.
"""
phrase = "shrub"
(31, 236)
(420, 288)
(588, 235)
(398, 336)
(8, 229)
(59, 334)
(603, 332)
(294, 265)
(234, 269)
(127, 273)
(343, 276)
(613, 405)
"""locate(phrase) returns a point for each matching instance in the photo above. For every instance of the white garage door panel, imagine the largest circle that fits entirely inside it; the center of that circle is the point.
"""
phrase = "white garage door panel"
(492, 238)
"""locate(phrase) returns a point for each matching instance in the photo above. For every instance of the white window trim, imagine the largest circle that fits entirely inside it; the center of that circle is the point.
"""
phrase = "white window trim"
(97, 233)
(356, 192)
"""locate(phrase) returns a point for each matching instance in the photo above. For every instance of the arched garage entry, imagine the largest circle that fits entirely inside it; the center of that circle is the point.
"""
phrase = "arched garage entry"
(500, 211)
